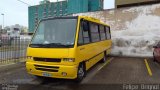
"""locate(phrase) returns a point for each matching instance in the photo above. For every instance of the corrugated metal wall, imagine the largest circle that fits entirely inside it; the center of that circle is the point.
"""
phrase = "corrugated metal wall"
(125, 2)
(121, 2)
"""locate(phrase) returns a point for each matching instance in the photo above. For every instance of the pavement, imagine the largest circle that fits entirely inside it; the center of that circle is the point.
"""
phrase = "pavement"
(115, 72)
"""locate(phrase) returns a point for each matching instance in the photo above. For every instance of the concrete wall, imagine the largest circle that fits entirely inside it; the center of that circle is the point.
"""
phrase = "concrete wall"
(117, 18)
(134, 30)
(122, 2)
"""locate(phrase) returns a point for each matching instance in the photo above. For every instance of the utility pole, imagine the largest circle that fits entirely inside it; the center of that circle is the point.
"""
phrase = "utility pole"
(3, 20)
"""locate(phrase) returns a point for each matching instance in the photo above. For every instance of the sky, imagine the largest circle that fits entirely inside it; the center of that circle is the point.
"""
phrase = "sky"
(16, 12)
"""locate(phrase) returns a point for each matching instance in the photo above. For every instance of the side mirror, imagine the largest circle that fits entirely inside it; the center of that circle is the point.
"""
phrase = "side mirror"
(85, 26)
(155, 47)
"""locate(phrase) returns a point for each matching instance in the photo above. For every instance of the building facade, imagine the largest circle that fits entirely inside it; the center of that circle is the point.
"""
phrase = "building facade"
(127, 3)
(48, 9)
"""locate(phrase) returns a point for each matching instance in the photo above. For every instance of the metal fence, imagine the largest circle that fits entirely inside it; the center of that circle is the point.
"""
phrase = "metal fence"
(13, 49)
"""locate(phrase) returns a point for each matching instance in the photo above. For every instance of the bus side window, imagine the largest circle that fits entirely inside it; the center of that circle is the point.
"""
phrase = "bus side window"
(85, 29)
(102, 32)
(94, 32)
(108, 32)
(80, 37)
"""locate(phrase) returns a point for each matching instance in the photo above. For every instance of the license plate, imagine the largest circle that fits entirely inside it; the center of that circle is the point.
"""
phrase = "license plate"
(46, 74)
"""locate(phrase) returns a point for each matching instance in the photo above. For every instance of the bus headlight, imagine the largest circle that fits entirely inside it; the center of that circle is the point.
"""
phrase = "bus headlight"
(29, 57)
(69, 59)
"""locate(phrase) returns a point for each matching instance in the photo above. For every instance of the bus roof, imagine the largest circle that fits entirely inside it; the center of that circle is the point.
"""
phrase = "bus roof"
(83, 17)
(92, 19)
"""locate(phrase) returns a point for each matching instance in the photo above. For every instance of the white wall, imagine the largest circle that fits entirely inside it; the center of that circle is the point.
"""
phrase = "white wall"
(134, 30)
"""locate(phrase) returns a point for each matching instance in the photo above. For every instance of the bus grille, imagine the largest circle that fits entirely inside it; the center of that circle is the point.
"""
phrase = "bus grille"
(46, 68)
(47, 59)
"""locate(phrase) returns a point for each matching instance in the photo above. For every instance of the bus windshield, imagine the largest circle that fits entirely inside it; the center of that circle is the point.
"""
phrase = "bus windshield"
(55, 33)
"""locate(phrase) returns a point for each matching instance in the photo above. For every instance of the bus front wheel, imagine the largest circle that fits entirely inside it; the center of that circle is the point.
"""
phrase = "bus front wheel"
(81, 72)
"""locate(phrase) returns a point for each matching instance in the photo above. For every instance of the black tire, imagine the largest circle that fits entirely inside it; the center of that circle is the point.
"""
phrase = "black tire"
(81, 73)
(40, 78)
(154, 59)
(104, 59)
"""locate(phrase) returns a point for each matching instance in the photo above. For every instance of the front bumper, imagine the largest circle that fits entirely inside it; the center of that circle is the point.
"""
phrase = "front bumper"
(71, 71)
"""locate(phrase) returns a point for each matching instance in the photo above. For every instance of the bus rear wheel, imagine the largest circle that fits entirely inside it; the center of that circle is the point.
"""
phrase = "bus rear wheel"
(104, 59)
(154, 58)
(80, 73)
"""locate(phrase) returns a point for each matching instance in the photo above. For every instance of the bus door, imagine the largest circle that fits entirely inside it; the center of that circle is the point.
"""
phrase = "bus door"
(85, 50)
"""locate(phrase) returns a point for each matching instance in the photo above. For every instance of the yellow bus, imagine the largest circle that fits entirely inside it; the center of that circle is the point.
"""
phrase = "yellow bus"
(66, 47)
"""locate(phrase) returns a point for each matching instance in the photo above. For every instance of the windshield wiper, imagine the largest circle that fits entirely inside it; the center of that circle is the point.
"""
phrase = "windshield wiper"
(36, 45)
(50, 45)
(57, 45)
